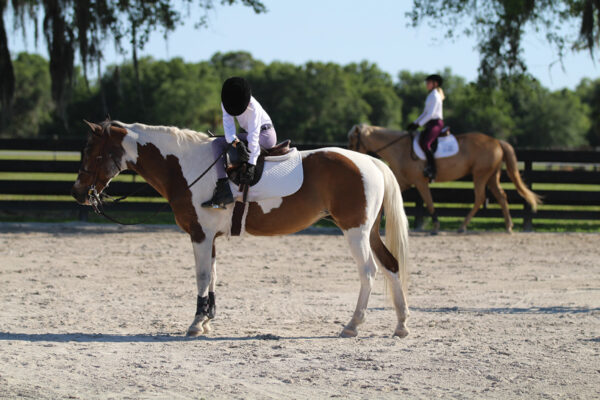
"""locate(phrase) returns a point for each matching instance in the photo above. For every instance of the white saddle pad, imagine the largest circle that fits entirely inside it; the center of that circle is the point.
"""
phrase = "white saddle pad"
(282, 176)
(447, 147)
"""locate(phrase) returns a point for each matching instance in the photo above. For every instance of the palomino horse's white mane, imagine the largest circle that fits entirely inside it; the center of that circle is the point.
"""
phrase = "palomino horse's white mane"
(179, 134)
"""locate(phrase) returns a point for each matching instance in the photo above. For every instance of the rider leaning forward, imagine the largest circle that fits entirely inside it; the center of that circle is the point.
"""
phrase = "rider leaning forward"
(432, 119)
(237, 102)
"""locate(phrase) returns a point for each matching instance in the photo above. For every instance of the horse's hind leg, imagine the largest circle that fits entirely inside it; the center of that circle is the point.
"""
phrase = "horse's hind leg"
(358, 239)
(390, 267)
(494, 185)
(479, 183)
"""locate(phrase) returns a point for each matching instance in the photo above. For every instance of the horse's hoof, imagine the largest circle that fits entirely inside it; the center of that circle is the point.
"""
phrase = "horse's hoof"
(349, 333)
(461, 230)
(207, 327)
(193, 332)
(196, 328)
(434, 233)
(401, 332)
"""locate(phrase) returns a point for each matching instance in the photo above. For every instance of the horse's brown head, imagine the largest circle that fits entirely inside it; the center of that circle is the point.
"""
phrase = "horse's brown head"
(356, 137)
(101, 160)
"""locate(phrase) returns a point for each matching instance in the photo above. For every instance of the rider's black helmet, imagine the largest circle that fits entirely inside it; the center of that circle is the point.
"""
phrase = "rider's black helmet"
(235, 95)
(435, 78)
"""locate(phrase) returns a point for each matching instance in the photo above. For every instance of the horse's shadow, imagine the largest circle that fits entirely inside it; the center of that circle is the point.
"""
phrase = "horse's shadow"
(141, 338)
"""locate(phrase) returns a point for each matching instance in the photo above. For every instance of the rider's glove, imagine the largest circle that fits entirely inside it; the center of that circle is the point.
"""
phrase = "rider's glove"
(412, 127)
(242, 152)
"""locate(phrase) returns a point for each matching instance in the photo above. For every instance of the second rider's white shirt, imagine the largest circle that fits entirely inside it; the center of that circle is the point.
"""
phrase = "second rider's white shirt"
(250, 120)
(433, 108)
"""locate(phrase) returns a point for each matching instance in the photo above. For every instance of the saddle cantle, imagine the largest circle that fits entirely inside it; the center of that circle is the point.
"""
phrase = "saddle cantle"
(233, 165)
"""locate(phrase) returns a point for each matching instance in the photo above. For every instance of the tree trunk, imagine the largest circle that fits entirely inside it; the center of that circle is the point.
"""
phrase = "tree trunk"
(7, 74)
(60, 40)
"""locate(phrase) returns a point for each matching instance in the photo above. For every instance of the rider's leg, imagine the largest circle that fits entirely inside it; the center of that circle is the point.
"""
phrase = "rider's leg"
(432, 130)
(222, 194)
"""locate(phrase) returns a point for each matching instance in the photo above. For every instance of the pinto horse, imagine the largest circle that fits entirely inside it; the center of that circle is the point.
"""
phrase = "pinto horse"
(350, 188)
(479, 155)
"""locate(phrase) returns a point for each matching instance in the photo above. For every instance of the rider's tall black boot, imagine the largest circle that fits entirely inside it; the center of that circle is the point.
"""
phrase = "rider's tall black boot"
(221, 196)
(430, 170)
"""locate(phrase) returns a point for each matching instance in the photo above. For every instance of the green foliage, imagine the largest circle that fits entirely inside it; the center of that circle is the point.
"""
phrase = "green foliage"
(314, 102)
(499, 27)
(32, 103)
(589, 92)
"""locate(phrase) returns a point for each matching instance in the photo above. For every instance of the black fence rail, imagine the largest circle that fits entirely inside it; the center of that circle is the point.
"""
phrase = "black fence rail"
(568, 167)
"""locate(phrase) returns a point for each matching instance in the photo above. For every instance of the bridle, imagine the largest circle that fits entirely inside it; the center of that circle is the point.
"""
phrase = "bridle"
(93, 195)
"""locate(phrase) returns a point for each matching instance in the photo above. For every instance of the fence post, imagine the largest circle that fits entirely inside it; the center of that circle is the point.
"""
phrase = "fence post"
(419, 212)
(527, 214)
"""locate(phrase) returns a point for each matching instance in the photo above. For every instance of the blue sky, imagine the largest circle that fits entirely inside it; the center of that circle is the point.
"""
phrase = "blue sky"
(341, 32)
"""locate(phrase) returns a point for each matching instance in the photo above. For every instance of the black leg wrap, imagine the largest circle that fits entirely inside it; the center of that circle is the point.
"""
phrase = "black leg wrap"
(434, 217)
(202, 305)
(212, 307)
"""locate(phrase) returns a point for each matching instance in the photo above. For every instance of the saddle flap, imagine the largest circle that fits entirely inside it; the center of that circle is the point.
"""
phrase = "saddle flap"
(281, 176)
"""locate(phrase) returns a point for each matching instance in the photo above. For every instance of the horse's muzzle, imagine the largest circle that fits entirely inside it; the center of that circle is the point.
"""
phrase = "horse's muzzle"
(80, 195)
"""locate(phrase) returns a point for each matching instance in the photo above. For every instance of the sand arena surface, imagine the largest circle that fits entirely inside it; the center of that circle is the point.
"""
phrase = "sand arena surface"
(91, 311)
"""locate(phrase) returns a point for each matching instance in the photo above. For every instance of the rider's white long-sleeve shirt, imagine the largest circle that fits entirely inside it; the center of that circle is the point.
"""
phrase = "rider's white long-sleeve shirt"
(250, 120)
(433, 108)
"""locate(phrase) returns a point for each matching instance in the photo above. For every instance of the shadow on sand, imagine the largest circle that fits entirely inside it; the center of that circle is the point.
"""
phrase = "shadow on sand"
(508, 310)
(141, 338)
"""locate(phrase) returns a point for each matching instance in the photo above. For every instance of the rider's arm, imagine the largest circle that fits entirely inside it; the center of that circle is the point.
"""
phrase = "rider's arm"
(228, 126)
(427, 114)
(254, 122)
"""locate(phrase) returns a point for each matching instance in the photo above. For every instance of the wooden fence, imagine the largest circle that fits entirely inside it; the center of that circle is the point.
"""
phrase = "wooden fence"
(584, 169)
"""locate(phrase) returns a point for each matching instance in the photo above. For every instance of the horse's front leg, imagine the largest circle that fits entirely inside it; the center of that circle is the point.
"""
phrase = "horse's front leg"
(204, 277)
(212, 307)
(423, 189)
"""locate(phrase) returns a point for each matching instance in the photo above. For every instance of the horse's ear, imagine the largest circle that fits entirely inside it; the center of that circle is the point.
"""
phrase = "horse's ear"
(94, 127)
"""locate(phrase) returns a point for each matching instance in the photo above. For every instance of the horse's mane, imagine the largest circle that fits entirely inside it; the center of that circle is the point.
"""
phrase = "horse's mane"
(178, 133)
(367, 129)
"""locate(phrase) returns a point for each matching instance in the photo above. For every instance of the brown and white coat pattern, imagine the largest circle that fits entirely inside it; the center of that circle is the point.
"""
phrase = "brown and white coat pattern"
(351, 188)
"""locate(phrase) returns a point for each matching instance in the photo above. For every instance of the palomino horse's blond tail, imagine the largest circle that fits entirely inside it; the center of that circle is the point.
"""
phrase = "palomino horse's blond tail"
(396, 223)
(510, 158)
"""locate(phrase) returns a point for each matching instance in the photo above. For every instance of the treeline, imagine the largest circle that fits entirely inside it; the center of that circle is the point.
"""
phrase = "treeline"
(314, 102)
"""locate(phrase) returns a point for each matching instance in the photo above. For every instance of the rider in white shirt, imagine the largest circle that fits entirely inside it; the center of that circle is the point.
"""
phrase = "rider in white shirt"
(433, 120)
(238, 103)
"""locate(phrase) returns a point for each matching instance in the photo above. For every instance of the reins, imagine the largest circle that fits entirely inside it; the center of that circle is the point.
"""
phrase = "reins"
(359, 143)
(98, 206)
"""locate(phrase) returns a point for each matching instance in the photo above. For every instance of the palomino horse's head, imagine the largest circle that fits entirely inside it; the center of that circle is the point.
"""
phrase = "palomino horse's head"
(101, 161)
(356, 138)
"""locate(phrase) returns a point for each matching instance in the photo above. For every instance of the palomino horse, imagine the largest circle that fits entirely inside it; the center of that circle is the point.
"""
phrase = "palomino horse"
(479, 155)
(351, 188)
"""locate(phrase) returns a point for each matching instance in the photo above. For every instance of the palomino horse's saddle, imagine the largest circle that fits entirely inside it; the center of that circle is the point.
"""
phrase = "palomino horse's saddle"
(234, 166)
(445, 132)
(445, 145)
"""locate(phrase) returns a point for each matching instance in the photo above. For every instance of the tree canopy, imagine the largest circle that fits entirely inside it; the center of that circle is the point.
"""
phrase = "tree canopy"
(313, 102)
(499, 26)
(83, 26)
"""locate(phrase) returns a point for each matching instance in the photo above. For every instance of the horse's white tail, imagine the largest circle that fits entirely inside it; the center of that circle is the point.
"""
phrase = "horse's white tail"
(396, 223)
